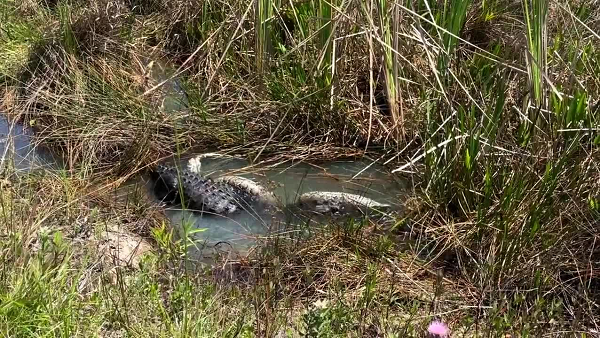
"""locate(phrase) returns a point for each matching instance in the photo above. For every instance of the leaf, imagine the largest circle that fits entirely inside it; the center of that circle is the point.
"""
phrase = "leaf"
(467, 159)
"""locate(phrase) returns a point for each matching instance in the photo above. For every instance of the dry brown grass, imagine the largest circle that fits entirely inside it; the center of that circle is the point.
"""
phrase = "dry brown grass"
(377, 281)
(101, 113)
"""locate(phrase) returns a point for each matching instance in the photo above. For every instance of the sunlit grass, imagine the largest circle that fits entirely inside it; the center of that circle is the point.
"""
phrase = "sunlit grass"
(264, 43)
(500, 144)
(536, 13)
(389, 23)
(326, 29)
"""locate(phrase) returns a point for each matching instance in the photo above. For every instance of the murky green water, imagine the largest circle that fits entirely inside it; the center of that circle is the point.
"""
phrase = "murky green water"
(287, 181)
(17, 149)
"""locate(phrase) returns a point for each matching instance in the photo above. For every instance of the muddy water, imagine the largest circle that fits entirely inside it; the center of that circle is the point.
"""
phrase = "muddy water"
(17, 149)
(287, 181)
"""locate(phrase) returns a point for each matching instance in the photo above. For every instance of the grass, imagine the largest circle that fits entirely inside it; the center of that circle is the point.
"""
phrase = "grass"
(496, 101)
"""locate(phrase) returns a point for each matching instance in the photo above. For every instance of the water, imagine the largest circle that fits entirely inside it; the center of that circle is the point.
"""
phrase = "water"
(290, 180)
(171, 93)
(17, 148)
(287, 181)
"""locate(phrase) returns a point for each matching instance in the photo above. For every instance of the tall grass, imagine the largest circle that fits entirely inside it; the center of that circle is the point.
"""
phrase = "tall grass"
(69, 41)
(452, 19)
(326, 28)
(264, 43)
(536, 14)
(389, 24)
(502, 187)
(18, 35)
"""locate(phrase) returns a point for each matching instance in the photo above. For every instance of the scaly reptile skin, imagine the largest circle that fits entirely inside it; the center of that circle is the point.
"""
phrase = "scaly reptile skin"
(199, 193)
(230, 193)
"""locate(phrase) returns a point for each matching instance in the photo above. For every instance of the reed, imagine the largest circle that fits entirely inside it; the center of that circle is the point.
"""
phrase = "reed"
(453, 18)
(535, 12)
(536, 17)
(389, 24)
(69, 41)
(326, 29)
(263, 32)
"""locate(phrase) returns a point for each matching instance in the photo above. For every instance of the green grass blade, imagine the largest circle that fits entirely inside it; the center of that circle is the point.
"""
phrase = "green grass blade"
(263, 45)
(389, 23)
(536, 13)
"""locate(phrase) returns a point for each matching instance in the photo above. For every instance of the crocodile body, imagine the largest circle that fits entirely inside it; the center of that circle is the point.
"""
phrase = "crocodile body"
(228, 194)
(199, 193)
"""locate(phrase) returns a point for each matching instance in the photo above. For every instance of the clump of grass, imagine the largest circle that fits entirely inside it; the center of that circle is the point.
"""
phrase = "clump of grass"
(96, 66)
(325, 12)
(18, 33)
(264, 17)
(536, 14)
(389, 23)
(109, 127)
(506, 205)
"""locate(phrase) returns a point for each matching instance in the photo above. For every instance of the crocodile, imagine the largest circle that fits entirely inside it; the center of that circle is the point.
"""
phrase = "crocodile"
(228, 194)
(337, 203)
(196, 192)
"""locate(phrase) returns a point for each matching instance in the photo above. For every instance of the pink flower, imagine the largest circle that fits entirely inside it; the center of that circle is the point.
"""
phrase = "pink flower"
(438, 329)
